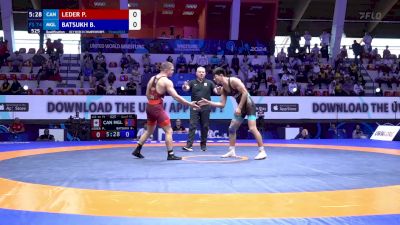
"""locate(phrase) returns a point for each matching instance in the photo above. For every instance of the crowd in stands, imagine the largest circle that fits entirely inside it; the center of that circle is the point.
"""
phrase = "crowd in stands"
(296, 71)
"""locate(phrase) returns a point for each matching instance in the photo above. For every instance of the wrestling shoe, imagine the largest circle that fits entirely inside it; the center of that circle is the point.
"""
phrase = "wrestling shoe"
(261, 155)
(231, 153)
(203, 148)
(173, 157)
(137, 154)
(188, 149)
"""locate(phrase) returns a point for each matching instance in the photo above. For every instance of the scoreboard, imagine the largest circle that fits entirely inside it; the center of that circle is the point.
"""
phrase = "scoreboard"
(113, 126)
(56, 21)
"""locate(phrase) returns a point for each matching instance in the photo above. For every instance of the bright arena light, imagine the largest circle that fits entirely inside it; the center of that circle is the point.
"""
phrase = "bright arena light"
(122, 88)
(26, 87)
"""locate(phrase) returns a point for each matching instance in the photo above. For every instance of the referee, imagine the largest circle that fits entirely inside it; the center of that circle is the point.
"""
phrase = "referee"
(200, 88)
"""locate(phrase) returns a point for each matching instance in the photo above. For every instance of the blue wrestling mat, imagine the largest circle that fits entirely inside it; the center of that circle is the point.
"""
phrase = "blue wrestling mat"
(300, 182)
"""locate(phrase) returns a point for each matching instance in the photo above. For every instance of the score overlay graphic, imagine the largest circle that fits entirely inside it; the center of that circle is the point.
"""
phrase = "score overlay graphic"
(61, 21)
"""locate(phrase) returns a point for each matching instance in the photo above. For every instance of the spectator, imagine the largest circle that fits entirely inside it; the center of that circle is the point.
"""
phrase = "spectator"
(46, 136)
(37, 60)
(124, 62)
(4, 53)
(111, 78)
(49, 47)
(254, 88)
(182, 69)
(202, 60)
(170, 59)
(6, 88)
(178, 128)
(111, 90)
(87, 54)
(142, 130)
(59, 46)
(131, 87)
(181, 61)
(315, 52)
(386, 53)
(367, 39)
(100, 59)
(324, 52)
(309, 89)
(16, 88)
(343, 52)
(251, 75)
(384, 78)
(357, 51)
(88, 71)
(132, 64)
(303, 134)
(100, 88)
(348, 86)
(146, 60)
(223, 62)
(307, 41)
(214, 61)
(294, 42)
(16, 61)
(358, 89)
(76, 124)
(17, 127)
(49, 91)
(325, 39)
(136, 74)
(281, 56)
(256, 62)
(99, 72)
(358, 133)
(334, 132)
(272, 89)
(235, 63)
(192, 65)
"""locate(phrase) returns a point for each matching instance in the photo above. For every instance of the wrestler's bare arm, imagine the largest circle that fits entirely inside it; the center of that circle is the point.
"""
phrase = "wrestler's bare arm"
(169, 87)
(220, 104)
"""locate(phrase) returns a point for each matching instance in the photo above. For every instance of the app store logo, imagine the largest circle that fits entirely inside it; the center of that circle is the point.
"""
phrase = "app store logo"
(284, 107)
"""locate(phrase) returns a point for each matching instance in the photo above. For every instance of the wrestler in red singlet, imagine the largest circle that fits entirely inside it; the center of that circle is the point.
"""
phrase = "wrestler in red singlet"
(155, 91)
(155, 110)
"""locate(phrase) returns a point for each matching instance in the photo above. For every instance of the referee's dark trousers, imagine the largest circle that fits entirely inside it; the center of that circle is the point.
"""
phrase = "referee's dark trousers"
(203, 116)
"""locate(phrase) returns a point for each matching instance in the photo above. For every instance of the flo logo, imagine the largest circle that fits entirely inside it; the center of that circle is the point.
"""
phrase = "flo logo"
(284, 107)
(370, 15)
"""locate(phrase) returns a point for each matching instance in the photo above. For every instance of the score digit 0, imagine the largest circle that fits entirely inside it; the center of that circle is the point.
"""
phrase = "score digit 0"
(135, 19)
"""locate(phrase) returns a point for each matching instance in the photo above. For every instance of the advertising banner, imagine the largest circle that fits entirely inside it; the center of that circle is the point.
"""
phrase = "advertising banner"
(385, 133)
(62, 107)
(173, 46)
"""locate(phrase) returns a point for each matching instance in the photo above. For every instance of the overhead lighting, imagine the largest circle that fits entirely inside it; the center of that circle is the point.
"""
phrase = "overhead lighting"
(191, 6)
(167, 12)
(99, 3)
(188, 13)
(169, 5)
(256, 7)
